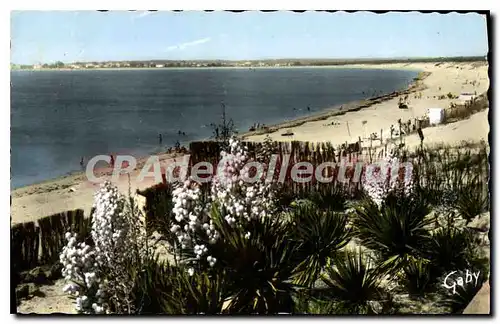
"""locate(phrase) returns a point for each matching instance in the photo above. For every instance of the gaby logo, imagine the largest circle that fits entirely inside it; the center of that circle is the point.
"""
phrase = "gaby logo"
(452, 283)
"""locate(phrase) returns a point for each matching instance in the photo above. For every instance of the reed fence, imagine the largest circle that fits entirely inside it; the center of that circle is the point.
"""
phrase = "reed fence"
(40, 243)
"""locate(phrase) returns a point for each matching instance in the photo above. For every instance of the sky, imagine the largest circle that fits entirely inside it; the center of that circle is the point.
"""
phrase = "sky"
(83, 36)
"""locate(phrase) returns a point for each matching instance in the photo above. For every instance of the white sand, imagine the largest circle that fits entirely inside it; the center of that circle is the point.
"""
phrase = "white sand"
(449, 77)
(39, 200)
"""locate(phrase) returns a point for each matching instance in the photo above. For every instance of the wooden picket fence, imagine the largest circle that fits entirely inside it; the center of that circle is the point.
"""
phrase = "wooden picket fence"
(40, 243)
(298, 151)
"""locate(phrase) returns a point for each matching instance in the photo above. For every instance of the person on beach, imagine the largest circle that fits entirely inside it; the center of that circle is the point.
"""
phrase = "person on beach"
(160, 139)
(81, 162)
(112, 162)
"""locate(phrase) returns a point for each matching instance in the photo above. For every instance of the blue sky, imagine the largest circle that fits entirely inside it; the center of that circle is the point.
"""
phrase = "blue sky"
(71, 36)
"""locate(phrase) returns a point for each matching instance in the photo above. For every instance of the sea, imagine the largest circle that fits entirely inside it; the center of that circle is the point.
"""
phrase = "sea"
(60, 117)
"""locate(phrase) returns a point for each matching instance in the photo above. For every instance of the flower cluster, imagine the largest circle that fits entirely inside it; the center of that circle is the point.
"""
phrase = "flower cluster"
(378, 182)
(80, 268)
(97, 272)
(189, 213)
(241, 195)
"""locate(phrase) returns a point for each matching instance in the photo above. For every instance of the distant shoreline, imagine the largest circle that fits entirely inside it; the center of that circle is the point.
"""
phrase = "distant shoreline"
(337, 66)
(341, 109)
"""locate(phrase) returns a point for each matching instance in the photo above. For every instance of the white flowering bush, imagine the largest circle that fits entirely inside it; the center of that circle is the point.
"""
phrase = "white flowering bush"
(98, 275)
(378, 181)
(80, 269)
(241, 200)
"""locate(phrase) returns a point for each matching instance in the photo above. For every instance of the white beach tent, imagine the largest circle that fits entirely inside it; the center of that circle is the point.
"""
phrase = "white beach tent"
(466, 96)
(436, 115)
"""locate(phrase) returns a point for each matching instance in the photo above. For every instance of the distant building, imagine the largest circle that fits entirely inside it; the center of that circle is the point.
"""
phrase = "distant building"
(37, 66)
(160, 65)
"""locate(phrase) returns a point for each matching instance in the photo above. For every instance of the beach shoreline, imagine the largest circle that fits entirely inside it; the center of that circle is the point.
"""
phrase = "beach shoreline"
(75, 191)
(318, 115)
(417, 84)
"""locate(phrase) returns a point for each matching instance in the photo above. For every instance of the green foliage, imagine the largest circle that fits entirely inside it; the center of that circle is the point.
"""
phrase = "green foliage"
(448, 249)
(395, 231)
(417, 277)
(307, 304)
(200, 293)
(443, 173)
(472, 201)
(153, 287)
(332, 201)
(320, 235)
(353, 285)
(165, 289)
(258, 268)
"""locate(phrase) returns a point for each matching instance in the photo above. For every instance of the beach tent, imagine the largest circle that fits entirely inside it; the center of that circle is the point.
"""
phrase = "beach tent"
(436, 115)
(466, 96)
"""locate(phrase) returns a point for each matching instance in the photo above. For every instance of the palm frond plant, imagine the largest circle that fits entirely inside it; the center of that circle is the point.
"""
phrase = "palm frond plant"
(352, 285)
(417, 277)
(329, 200)
(472, 201)
(320, 236)
(259, 260)
(153, 286)
(395, 231)
(448, 249)
(197, 293)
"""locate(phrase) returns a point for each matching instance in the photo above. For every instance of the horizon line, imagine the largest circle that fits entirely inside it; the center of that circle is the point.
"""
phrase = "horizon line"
(269, 59)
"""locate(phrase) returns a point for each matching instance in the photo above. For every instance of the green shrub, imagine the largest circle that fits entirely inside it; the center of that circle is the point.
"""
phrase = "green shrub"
(200, 293)
(153, 286)
(331, 201)
(259, 268)
(448, 249)
(353, 286)
(472, 201)
(320, 235)
(417, 277)
(395, 231)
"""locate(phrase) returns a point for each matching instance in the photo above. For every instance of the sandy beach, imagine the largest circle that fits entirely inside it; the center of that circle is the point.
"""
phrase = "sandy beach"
(71, 192)
(454, 78)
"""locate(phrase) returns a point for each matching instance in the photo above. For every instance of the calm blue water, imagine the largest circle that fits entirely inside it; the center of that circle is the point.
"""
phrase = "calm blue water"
(59, 116)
